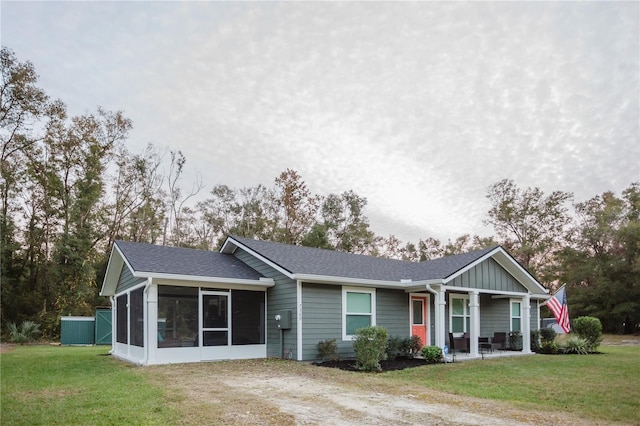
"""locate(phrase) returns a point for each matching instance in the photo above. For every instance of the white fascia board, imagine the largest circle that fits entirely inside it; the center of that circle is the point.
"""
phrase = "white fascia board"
(484, 291)
(133, 288)
(262, 282)
(110, 282)
(421, 285)
(325, 279)
(540, 296)
(255, 254)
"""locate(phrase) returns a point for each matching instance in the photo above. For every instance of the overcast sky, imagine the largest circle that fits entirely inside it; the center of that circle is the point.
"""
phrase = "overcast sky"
(418, 107)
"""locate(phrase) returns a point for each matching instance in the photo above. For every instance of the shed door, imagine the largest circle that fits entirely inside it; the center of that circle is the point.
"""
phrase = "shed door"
(103, 326)
(419, 318)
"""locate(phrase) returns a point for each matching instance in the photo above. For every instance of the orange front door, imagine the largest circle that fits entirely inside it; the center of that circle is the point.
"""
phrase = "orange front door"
(419, 318)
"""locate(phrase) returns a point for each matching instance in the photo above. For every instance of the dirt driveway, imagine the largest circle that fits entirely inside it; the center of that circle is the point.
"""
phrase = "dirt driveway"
(273, 392)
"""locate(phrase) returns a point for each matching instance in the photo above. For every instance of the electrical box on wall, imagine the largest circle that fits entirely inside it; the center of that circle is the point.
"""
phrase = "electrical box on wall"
(283, 320)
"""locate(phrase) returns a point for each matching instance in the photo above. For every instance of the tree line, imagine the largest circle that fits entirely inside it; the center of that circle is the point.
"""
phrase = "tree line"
(70, 187)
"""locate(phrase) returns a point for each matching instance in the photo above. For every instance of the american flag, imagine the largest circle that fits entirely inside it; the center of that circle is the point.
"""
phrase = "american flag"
(558, 305)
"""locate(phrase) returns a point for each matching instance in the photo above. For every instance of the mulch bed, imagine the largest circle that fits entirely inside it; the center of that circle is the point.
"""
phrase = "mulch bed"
(399, 363)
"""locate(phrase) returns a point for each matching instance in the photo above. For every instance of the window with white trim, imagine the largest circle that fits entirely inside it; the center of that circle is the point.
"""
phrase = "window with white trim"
(459, 314)
(358, 310)
(516, 315)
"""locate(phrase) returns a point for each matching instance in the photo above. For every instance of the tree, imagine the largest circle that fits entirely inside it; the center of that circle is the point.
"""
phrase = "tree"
(529, 224)
(80, 152)
(25, 111)
(176, 201)
(346, 226)
(602, 265)
(135, 208)
(295, 208)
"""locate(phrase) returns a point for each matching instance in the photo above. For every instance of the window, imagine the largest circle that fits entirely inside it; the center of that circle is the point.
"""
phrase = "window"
(136, 312)
(516, 315)
(177, 316)
(418, 306)
(459, 314)
(121, 320)
(358, 308)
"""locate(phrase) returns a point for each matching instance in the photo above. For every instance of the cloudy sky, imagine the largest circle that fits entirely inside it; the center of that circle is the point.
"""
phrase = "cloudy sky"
(418, 107)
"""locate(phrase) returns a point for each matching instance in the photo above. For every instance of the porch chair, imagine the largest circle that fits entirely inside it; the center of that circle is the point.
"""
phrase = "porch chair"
(499, 341)
(459, 344)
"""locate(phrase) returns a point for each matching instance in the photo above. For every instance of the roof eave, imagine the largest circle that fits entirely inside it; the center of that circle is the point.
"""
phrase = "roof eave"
(262, 282)
(114, 268)
(230, 245)
(360, 282)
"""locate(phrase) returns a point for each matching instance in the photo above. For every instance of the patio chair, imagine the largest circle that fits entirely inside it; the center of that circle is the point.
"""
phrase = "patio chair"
(460, 344)
(499, 341)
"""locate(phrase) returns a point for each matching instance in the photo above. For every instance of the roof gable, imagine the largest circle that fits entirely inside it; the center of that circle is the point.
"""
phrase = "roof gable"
(149, 260)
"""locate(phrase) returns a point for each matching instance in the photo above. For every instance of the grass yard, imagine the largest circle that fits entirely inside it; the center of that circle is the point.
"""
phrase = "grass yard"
(80, 385)
(49, 385)
(602, 386)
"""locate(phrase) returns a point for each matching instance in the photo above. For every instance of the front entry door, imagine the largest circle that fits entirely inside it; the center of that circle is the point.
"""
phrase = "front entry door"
(419, 318)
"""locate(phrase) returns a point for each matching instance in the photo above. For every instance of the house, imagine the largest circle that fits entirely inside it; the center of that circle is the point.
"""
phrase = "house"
(256, 299)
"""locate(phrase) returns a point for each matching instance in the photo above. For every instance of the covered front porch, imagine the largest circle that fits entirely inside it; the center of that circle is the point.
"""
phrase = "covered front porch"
(483, 322)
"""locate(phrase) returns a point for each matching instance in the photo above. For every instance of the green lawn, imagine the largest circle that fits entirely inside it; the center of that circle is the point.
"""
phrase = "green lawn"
(603, 386)
(80, 385)
(49, 385)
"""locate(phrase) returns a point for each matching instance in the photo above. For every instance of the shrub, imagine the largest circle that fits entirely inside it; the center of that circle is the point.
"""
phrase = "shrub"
(515, 341)
(27, 332)
(394, 346)
(575, 345)
(589, 329)
(549, 348)
(412, 346)
(328, 350)
(370, 345)
(547, 335)
(432, 354)
(535, 340)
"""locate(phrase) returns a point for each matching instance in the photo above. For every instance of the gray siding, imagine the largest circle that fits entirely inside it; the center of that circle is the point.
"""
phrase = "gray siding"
(322, 317)
(281, 297)
(127, 280)
(534, 322)
(488, 275)
(494, 315)
(392, 311)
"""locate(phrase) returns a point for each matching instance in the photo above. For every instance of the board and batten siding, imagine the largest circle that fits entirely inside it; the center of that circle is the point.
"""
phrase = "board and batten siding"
(281, 297)
(488, 275)
(127, 280)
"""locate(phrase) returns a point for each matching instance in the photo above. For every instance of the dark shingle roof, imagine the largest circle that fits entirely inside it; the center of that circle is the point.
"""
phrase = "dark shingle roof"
(314, 261)
(183, 261)
(446, 266)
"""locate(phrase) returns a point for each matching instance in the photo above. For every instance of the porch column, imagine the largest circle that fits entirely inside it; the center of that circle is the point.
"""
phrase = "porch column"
(151, 326)
(526, 324)
(439, 305)
(474, 307)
